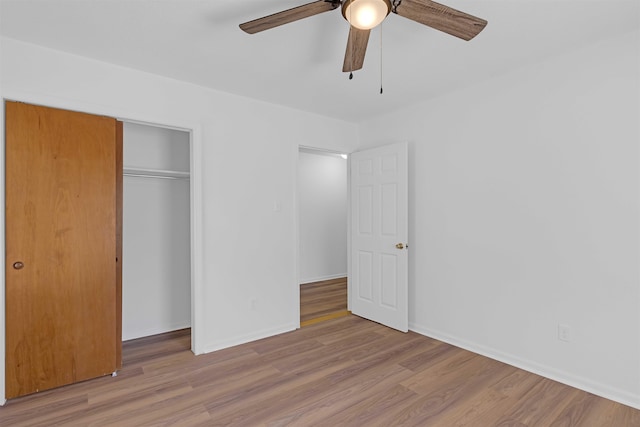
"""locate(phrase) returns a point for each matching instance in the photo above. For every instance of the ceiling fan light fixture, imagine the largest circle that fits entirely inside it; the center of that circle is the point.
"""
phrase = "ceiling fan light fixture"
(365, 14)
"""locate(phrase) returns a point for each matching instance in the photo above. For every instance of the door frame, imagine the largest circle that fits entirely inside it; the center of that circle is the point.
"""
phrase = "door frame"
(296, 215)
(196, 205)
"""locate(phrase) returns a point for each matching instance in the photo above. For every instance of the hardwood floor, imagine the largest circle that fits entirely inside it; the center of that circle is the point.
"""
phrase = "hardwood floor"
(342, 372)
(324, 300)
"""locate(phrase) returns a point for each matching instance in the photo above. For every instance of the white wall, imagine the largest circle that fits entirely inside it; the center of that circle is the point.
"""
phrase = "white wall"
(156, 276)
(248, 161)
(322, 198)
(154, 147)
(524, 215)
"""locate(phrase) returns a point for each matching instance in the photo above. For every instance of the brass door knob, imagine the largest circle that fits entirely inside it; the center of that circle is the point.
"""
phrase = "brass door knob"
(18, 265)
(399, 246)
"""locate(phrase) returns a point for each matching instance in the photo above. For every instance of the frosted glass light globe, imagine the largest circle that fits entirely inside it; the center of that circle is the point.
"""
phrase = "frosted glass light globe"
(366, 14)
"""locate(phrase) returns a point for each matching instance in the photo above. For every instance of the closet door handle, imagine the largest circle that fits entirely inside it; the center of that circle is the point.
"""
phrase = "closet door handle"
(18, 265)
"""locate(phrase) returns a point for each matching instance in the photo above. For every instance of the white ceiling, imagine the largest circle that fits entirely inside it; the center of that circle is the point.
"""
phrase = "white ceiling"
(299, 64)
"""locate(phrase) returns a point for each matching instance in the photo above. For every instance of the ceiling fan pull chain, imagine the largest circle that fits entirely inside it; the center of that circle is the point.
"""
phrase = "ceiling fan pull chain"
(380, 59)
(351, 47)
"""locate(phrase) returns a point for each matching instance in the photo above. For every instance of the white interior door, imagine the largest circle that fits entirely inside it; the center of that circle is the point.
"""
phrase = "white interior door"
(379, 229)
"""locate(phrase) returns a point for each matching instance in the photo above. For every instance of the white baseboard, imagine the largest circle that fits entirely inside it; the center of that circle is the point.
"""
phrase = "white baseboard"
(322, 278)
(254, 336)
(602, 390)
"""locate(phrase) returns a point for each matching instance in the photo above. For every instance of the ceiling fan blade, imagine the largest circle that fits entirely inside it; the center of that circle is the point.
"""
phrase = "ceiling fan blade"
(440, 17)
(290, 15)
(356, 49)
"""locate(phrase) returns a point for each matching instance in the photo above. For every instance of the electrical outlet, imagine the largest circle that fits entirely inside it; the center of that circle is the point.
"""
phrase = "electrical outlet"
(564, 332)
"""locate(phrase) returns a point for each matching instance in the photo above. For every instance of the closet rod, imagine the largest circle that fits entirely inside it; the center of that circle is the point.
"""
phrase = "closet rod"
(140, 175)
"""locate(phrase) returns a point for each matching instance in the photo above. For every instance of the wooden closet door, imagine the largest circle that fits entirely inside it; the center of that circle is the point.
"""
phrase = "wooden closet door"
(61, 272)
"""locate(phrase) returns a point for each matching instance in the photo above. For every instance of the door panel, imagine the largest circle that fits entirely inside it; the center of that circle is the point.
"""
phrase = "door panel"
(379, 221)
(61, 306)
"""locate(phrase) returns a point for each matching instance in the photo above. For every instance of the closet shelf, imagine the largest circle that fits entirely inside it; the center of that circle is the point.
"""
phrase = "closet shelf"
(155, 173)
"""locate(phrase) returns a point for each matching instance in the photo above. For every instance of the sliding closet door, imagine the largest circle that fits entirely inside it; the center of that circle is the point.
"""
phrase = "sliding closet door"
(61, 272)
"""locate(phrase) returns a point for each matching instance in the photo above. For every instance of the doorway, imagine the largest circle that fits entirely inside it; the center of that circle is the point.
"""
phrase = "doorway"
(322, 231)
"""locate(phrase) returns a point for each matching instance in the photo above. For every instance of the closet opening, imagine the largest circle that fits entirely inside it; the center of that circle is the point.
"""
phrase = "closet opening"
(156, 269)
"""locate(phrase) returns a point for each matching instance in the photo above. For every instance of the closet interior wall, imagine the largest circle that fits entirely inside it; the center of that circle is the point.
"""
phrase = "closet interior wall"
(156, 273)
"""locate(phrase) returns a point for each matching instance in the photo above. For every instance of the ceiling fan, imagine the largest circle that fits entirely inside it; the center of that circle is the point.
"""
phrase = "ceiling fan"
(363, 15)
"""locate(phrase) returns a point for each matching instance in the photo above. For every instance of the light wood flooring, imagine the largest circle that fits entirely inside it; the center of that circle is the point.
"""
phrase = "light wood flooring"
(320, 301)
(342, 372)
